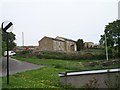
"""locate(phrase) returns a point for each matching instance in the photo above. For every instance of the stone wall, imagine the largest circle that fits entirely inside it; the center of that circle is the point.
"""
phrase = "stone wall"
(89, 44)
(92, 80)
(58, 45)
(46, 44)
(70, 46)
(55, 44)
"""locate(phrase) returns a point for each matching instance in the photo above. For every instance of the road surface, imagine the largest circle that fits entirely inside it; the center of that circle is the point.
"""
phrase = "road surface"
(16, 66)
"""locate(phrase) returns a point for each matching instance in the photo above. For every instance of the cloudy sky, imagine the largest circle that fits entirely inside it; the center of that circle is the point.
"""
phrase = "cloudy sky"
(74, 19)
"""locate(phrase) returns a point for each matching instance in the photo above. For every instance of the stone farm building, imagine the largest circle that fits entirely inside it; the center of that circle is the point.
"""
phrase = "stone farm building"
(57, 44)
(89, 44)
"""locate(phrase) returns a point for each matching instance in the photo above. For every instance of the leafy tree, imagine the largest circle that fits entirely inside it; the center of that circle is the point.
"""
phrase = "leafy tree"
(79, 44)
(12, 38)
(0, 42)
(112, 31)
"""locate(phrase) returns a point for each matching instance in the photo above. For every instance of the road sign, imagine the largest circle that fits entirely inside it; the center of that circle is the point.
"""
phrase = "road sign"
(7, 26)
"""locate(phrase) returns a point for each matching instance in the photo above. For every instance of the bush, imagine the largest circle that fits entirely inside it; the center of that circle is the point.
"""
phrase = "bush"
(69, 56)
(100, 56)
(24, 53)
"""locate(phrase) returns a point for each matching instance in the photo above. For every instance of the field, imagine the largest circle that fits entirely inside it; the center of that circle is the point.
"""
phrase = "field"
(47, 77)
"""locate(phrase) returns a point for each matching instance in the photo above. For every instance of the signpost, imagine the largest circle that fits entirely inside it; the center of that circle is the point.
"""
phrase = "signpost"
(7, 27)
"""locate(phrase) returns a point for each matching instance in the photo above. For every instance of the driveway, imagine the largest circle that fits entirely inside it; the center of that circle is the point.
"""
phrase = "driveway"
(16, 66)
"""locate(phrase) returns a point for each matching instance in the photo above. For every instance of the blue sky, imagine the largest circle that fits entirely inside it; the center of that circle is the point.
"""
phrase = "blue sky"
(74, 19)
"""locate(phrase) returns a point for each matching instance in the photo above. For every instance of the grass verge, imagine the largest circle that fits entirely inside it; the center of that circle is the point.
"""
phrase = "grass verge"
(47, 77)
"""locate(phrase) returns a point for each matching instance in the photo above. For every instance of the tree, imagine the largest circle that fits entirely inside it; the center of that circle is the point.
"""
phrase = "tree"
(112, 31)
(0, 42)
(79, 44)
(12, 38)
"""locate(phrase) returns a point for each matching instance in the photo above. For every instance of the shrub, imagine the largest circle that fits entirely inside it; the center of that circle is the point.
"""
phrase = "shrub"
(69, 55)
(100, 56)
(24, 53)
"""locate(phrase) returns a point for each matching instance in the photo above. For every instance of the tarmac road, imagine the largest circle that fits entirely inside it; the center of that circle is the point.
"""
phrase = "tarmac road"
(16, 66)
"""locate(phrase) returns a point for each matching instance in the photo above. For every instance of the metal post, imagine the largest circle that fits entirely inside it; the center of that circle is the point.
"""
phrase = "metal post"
(6, 28)
(65, 77)
(106, 47)
(118, 45)
(7, 58)
(22, 39)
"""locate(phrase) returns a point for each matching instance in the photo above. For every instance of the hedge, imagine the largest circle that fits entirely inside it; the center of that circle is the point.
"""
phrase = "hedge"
(69, 56)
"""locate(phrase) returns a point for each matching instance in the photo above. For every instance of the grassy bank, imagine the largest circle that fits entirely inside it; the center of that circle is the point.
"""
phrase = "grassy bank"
(47, 77)
(69, 64)
(42, 78)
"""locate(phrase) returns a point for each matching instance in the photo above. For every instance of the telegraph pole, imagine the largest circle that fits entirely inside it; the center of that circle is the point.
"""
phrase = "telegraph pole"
(22, 39)
(119, 33)
(106, 48)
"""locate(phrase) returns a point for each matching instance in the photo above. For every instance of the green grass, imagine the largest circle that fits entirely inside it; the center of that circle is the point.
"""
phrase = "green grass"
(41, 78)
(62, 64)
(49, 61)
(69, 65)
(47, 77)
